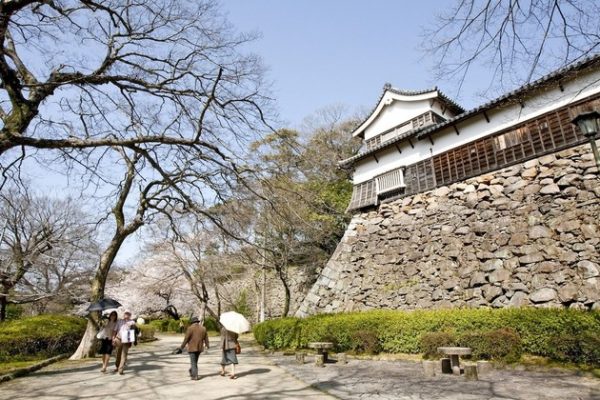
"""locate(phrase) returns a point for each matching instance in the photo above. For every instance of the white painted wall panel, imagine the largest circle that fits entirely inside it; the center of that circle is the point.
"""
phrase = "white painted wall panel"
(474, 128)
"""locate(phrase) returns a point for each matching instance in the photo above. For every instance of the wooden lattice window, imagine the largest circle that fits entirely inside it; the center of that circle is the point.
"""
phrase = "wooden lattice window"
(363, 195)
(373, 142)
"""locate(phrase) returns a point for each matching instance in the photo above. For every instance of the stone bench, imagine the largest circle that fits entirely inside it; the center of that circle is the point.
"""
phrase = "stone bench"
(322, 348)
(455, 353)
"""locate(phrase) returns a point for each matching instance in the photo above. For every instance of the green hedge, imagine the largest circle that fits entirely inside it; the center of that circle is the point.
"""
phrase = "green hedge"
(147, 332)
(41, 336)
(541, 331)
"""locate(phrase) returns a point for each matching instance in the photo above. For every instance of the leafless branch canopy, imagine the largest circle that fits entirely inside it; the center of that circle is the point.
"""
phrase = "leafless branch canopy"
(518, 39)
(165, 79)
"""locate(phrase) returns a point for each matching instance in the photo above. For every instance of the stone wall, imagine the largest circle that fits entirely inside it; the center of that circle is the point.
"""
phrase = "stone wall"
(524, 235)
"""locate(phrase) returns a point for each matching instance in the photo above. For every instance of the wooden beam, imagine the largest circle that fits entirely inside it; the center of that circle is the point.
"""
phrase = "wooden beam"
(560, 86)
(375, 157)
(411, 143)
(456, 130)
(430, 139)
(398, 148)
(486, 117)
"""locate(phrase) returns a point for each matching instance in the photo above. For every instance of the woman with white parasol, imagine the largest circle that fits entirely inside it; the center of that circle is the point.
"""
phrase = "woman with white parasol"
(232, 324)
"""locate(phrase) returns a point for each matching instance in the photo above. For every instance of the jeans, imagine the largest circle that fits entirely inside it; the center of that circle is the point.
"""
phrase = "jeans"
(194, 355)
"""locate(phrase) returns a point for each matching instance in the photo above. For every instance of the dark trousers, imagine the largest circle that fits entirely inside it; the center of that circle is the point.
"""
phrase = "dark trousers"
(194, 355)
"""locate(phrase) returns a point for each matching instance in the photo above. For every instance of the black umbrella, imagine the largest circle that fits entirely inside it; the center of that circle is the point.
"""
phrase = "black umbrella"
(103, 304)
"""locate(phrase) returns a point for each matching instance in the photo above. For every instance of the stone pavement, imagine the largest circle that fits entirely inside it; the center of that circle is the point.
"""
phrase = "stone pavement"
(404, 380)
(154, 373)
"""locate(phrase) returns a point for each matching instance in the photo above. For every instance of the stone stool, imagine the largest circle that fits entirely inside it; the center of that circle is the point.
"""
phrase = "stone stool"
(319, 360)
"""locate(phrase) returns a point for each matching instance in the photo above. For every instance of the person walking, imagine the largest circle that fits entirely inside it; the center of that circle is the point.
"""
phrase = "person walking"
(106, 335)
(196, 339)
(124, 337)
(229, 344)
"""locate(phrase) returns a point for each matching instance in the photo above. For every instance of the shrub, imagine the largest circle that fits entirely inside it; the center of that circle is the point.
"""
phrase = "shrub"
(502, 344)
(14, 311)
(43, 335)
(535, 331)
(147, 332)
(582, 347)
(431, 341)
(169, 325)
(365, 341)
(211, 324)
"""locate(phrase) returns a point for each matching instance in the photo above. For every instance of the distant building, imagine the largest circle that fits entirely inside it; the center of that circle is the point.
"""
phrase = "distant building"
(417, 141)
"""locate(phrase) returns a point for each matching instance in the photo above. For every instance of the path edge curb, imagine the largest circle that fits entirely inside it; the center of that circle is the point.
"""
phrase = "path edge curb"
(27, 370)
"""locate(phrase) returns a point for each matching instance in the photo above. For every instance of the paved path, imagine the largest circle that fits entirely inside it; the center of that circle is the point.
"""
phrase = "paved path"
(404, 380)
(154, 373)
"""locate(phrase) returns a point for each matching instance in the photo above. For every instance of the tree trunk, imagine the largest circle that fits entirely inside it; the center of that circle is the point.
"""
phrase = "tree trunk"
(218, 298)
(286, 288)
(87, 346)
(3, 303)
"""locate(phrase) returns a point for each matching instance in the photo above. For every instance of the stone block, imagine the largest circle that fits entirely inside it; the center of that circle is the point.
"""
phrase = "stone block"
(491, 292)
(531, 258)
(588, 269)
(429, 368)
(550, 189)
(568, 292)
(319, 360)
(539, 231)
(484, 368)
(300, 358)
(342, 358)
(543, 295)
(499, 275)
(568, 180)
(471, 372)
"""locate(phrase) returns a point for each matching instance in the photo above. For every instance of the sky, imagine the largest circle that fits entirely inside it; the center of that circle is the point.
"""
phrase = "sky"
(330, 52)
(320, 53)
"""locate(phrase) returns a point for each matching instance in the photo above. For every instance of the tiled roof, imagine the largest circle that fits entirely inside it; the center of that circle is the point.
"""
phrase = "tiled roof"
(513, 95)
(456, 108)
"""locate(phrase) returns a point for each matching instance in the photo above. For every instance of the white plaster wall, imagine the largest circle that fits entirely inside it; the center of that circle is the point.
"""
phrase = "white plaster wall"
(395, 114)
(476, 127)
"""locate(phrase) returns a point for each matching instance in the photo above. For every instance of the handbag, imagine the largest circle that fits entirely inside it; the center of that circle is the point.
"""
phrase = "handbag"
(238, 348)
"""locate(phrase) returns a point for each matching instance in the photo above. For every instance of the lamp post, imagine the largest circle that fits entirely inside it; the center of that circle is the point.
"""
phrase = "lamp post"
(589, 125)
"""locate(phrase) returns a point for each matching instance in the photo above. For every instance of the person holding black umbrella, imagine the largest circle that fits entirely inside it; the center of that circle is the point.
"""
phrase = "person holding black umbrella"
(106, 335)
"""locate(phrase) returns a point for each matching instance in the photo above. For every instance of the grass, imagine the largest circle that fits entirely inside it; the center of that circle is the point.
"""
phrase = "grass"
(531, 362)
(10, 366)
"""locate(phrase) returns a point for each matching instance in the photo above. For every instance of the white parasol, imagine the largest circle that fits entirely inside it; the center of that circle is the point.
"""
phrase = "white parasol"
(234, 322)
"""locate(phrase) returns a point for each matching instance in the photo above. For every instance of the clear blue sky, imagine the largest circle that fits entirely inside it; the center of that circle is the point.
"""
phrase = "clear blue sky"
(327, 52)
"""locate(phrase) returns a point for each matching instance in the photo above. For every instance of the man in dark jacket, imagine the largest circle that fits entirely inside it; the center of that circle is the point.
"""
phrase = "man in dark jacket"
(196, 338)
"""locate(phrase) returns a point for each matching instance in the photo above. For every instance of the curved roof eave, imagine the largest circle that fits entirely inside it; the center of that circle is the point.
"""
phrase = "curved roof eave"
(457, 109)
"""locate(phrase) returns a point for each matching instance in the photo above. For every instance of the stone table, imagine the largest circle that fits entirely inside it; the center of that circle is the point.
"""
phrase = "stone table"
(455, 353)
(321, 348)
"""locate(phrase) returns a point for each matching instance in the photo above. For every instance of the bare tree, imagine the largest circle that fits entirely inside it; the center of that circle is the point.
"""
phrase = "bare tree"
(150, 101)
(518, 40)
(35, 229)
